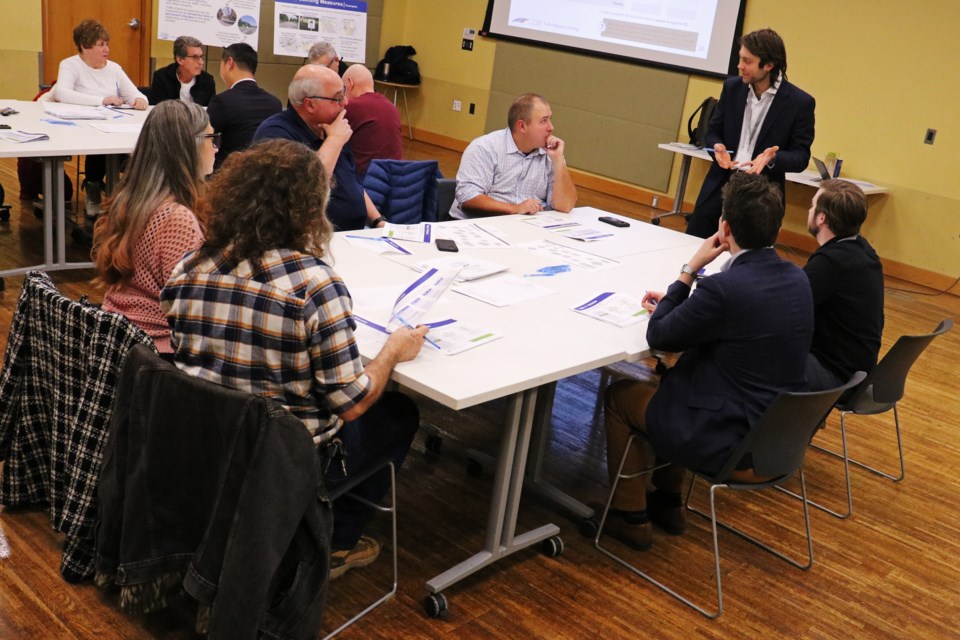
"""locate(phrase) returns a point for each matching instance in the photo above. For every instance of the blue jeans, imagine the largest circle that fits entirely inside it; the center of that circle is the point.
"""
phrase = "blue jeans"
(385, 430)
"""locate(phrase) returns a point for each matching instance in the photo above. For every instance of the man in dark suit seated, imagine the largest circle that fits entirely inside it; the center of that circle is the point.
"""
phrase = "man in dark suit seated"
(744, 332)
(762, 124)
(846, 278)
(184, 78)
(237, 112)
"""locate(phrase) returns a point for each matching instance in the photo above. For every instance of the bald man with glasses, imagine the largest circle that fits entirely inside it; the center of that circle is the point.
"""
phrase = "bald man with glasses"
(316, 118)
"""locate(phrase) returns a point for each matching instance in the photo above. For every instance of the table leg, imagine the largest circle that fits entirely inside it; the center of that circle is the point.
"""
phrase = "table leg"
(50, 199)
(681, 189)
(406, 110)
(501, 538)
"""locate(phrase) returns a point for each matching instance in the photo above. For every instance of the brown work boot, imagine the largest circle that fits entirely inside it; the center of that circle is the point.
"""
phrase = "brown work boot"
(365, 552)
(636, 536)
(671, 519)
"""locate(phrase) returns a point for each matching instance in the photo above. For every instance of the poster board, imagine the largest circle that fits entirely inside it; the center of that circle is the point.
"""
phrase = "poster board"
(214, 22)
(300, 23)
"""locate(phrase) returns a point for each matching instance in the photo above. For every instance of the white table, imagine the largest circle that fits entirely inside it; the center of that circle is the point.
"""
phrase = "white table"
(544, 341)
(65, 141)
(808, 178)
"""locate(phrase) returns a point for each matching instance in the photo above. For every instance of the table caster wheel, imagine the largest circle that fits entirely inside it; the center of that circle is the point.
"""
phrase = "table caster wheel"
(435, 606)
(434, 443)
(589, 527)
(474, 468)
(655, 222)
(552, 547)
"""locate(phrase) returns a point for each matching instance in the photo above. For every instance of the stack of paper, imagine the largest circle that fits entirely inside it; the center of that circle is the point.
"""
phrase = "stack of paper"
(470, 268)
(74, 112)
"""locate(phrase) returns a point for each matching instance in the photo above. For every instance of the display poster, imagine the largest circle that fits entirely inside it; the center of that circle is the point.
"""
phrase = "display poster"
(300, 23)
(213, 22)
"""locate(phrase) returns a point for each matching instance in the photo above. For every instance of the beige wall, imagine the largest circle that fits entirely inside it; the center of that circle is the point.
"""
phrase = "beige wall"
(20, 33)
(881, 76)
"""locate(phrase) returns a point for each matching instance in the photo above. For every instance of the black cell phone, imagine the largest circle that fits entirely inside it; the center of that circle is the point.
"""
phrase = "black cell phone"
(617, 222)
(447, 245)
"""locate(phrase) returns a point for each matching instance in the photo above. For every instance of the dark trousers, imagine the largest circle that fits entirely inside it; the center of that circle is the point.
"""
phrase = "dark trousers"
(704, 220)
(95, 169)
(385, 430)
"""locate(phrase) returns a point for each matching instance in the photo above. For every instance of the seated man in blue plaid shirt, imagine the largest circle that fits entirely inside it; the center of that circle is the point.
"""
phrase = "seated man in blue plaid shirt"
(257, 309)
(520, 169)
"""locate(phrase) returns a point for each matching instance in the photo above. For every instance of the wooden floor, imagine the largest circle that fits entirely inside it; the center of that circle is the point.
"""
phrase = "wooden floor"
(892, 571)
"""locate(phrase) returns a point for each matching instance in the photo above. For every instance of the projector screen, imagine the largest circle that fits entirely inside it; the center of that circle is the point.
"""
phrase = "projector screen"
(697, 36)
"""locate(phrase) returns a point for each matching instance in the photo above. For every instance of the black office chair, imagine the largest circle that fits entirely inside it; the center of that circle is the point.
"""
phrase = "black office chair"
(879, 393)
(776, 444)
(446, 192)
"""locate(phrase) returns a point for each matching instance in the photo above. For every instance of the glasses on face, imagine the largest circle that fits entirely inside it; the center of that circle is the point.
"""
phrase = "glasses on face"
(339, 98)
(334, 64)
(214, 139)
(198, 58)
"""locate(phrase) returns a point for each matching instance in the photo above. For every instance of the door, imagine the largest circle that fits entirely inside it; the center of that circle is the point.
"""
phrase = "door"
(127, 21)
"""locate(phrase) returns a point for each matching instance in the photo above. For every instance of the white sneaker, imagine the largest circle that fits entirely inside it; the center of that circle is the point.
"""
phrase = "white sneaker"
(93, 199)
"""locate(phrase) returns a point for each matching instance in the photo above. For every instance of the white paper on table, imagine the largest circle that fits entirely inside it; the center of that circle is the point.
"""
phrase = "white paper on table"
(422, 232)
(551, 221)
(470, 268)
(503, 290)
(584, 234)
(22, 136)
(416, 299)
(568, 255)
(455, 337)
(376, 244)
(74, 111)
(116, 127)
(618, 309)
(473, 236)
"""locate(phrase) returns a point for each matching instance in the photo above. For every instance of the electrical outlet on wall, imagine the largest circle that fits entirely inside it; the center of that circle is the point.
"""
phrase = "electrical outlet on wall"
(457, 105)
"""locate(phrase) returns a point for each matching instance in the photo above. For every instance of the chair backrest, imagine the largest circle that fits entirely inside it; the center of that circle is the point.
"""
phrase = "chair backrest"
(884, 385)
(403, 191)
(446, 192)
(778, 441)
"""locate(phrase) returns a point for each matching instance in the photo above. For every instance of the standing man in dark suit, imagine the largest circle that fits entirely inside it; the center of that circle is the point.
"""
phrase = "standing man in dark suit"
(762, 124)
(184, 78)
(744, 333)
(237, 112)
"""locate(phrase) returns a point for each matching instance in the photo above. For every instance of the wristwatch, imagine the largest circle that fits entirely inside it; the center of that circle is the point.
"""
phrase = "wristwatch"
(374, 223)
(687, 269)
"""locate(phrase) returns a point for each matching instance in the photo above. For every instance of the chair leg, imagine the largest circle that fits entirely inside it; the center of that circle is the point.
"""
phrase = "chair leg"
(845, 457)
(603, 519)
(392, 510)
(806, 518)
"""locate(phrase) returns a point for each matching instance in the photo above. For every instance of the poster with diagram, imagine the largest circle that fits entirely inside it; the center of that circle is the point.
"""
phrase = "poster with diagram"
(300, 23)
(214, 22)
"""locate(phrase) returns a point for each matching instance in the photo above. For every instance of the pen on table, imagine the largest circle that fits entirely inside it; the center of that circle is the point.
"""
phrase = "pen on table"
(377, 238)
(408, 326)
(712, 150)
(119, 111)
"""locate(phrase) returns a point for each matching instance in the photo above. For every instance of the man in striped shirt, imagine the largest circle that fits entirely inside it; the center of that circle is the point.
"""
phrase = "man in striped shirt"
(520, 169)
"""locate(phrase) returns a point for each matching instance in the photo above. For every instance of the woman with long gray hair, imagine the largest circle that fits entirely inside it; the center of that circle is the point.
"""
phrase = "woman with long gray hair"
(149, 224)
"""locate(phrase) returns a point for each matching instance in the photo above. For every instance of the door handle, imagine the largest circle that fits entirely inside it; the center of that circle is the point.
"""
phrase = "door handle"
(134, 24)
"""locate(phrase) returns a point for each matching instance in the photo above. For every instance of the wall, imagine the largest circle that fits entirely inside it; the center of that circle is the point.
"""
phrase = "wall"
(881, 78)
(20, 33)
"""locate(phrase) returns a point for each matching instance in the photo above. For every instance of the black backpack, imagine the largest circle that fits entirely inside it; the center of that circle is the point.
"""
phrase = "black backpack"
(403, 70)
(698, 134)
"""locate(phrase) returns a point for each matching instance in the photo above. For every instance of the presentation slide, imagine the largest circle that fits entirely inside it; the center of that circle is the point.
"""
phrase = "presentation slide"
(213, 22)
(697, 35)
(300, 23)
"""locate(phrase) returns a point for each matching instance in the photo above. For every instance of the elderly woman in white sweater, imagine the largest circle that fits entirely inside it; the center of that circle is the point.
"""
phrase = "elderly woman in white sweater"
(89, 78)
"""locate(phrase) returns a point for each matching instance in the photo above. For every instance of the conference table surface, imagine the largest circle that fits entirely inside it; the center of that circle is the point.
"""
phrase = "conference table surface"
(543, 339)
(76, 137)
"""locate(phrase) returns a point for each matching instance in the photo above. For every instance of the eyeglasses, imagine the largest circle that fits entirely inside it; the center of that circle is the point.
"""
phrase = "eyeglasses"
(339, 98)
(196, 58)
(334, 64)
(214, 138)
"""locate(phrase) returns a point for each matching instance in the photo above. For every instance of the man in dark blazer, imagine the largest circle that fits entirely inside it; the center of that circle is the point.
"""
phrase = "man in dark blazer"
(237, 112)
(184, 78)
(744, 333)
(762, 124)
